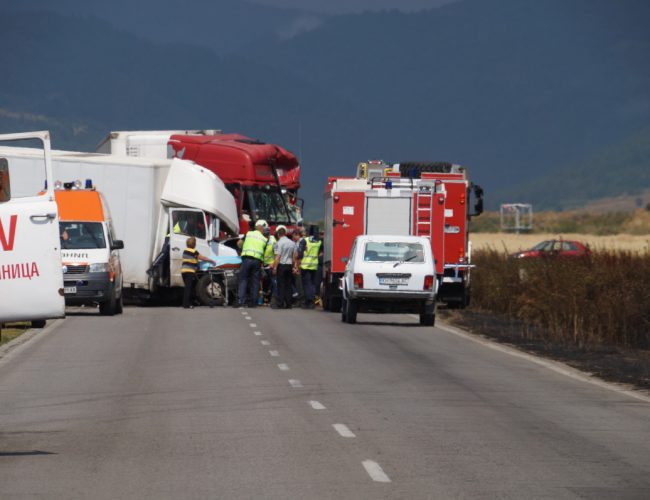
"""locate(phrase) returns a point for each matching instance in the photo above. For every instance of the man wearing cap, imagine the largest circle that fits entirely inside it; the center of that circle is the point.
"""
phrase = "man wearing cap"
(283, 265)
(252, 254)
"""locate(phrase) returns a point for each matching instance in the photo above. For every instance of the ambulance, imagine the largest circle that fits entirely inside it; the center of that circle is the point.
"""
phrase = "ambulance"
(92, 273)
(31, 284)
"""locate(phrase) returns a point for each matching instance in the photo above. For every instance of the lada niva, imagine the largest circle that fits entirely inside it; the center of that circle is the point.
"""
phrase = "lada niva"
(390, 274)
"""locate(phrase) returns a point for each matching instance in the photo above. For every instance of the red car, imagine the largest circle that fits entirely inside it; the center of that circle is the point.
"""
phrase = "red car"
(554, 248)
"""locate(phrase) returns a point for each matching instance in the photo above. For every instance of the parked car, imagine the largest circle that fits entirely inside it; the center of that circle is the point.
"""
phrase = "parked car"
(390, 274)
(554, 248)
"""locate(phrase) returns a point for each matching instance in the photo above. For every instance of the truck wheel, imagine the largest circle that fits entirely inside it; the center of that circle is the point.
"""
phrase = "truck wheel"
(335, 304)
(38, 323)
(210, 292)
(350, 310)
(109, 308)
(344, 312)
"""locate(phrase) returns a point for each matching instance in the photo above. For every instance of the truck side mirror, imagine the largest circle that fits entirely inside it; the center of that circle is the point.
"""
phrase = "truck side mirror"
(5, 191)
(117, 245)
(478, 205)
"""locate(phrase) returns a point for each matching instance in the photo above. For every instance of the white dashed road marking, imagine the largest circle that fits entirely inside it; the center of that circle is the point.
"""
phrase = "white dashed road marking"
(248, 318)
(258, 333)
(295, 383)
(253, 325)
(316, 405)
(375, 471)
(265, 342)
(284, 367)
(275, 354)
(343, 430)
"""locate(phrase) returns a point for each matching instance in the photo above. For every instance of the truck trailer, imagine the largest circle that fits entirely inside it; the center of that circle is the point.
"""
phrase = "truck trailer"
(155, 204)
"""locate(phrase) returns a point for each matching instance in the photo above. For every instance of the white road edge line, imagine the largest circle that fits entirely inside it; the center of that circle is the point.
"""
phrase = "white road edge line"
(258, 333)
(265, 342)
(375, 472)
(284, 367)
(317, 406)
(344, 431)
(555, 366)
(253, 325)
(295, 383)
(275, 354)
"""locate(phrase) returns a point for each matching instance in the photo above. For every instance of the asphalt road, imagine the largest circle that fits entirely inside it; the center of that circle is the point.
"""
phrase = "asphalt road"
(223, 403)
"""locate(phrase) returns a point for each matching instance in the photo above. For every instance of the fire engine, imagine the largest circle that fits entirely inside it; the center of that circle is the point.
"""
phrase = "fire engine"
(263, 178)
(409, 198)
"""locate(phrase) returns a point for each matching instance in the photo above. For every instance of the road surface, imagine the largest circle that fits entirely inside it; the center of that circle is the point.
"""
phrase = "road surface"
(227, 403)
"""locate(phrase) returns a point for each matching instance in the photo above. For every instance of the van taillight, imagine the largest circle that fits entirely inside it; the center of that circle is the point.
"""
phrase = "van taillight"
(358, 280)
(428, 282)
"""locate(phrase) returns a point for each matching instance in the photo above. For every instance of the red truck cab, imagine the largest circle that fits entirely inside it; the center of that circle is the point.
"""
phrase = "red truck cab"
(263, 178)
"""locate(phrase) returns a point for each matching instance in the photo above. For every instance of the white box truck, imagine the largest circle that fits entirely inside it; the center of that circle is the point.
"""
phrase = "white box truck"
(155, 204)
(31, 282)
(144, 143)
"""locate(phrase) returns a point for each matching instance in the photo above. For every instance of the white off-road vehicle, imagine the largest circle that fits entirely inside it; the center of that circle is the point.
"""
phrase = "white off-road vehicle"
(390, 274)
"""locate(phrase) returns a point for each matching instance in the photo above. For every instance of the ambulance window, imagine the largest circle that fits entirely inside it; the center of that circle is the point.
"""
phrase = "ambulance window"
(24, 176)
(5, 190)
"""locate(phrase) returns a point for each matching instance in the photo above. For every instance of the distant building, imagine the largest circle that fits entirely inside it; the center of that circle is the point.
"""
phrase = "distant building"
(516, 217)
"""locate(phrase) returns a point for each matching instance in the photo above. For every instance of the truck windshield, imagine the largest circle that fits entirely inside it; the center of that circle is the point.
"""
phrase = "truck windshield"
(77, 235)
(389, 251)
(268, 205)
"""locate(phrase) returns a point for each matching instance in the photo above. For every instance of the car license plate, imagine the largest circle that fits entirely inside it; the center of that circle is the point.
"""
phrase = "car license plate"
(393, 281)
(70, 289)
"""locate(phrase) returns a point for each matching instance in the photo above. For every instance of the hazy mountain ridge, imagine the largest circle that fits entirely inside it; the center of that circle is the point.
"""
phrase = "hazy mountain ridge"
(509, 88)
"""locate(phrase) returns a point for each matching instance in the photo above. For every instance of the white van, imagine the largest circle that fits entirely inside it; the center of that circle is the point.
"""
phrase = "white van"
(92, 271)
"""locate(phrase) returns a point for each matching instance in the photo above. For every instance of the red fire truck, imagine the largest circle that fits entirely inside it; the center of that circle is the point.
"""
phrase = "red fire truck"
(263, 178)
(429, 199)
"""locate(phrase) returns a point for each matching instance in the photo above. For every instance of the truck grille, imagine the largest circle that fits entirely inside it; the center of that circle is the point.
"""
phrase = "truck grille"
(76, 269)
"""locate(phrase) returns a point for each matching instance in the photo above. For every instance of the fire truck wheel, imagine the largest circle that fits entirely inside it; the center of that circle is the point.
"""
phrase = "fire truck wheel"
(334, 304)
(210, 291)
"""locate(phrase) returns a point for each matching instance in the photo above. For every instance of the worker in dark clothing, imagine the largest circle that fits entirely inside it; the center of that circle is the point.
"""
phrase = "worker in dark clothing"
(189, 267)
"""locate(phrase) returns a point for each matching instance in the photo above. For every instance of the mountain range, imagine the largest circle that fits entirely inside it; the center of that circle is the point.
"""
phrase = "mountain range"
(519, 91)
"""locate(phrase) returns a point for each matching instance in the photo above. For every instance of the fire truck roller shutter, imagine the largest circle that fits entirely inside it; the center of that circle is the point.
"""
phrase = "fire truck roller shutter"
(390, 215)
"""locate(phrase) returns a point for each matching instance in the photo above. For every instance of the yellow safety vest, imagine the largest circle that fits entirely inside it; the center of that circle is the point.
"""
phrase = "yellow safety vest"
(310, 257)
(269, 256)
(254, 245)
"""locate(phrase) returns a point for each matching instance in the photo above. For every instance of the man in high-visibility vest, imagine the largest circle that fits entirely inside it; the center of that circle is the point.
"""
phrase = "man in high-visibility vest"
(269, 281)
(309, 268)
(252, 258)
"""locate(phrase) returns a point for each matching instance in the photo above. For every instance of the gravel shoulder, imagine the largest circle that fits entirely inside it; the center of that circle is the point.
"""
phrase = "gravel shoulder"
(610, 363)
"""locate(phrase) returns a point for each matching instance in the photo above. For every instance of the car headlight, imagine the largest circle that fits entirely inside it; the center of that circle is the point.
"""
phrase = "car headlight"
(98, 267)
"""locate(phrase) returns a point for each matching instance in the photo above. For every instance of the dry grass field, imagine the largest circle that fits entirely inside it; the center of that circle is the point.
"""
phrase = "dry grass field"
(514, 242)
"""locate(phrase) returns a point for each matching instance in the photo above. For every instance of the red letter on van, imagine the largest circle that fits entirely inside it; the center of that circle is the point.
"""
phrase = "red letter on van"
(8, 244)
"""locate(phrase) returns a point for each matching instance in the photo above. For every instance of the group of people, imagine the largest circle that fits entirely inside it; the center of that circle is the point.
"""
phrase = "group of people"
(284, 262)
(284, 267)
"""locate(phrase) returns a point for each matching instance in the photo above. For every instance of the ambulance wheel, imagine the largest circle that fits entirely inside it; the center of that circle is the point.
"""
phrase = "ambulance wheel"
(109, 308)
(119, 305)
(38, 323)
(210, 292)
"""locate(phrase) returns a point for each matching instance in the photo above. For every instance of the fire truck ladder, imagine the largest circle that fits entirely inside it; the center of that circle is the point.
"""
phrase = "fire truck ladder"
(424, 208)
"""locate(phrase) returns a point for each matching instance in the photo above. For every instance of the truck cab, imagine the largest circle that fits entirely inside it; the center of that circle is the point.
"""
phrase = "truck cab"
(92, 269)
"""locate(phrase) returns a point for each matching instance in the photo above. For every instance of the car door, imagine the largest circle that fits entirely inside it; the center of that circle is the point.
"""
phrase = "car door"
(183, 223)
(31, 277)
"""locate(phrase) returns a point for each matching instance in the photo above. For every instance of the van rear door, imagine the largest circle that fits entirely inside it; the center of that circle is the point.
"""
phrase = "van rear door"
(31, 278)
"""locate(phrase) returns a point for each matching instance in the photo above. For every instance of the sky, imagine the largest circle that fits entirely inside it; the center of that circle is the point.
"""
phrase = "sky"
(349, 6)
